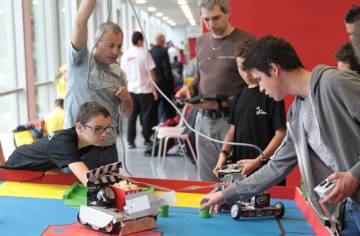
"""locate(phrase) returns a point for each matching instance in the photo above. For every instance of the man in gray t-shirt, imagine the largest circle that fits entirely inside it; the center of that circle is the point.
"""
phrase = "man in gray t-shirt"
(217, 74)
(101, 80)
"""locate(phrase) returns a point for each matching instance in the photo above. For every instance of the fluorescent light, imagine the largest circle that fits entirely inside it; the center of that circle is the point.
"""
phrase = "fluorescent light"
(187, 11)
(165, 18)
(35, 2)
(140, 1)
(159, 14)
(151, 9)
(181, 2)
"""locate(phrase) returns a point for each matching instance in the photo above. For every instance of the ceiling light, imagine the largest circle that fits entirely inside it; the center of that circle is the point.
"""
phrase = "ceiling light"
(159, 14)
(181, 2)
(165, 18)
(151, 9)
(140, 1)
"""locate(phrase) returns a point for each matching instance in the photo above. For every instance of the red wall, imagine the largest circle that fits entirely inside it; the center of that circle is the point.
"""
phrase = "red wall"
(315, 29)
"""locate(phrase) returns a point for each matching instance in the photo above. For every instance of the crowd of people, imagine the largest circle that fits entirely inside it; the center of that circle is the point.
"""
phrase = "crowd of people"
(242, 101)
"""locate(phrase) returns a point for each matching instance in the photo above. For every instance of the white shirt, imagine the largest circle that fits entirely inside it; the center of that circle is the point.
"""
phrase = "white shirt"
(133, 63)
(173, 51)
(312, 131)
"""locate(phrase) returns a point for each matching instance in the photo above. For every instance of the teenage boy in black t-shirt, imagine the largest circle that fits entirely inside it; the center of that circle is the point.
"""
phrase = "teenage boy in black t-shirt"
(256, 119)
(66, 147)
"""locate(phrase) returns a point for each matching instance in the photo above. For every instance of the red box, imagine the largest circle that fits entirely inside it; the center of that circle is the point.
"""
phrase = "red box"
(120, 196)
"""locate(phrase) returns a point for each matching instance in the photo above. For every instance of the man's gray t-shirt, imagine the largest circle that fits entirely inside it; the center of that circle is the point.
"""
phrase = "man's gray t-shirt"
(217, 68)
(99, 87)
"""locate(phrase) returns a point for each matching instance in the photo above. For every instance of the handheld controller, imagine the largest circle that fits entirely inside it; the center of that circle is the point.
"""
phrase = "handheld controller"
(230, 169)
(324, 188)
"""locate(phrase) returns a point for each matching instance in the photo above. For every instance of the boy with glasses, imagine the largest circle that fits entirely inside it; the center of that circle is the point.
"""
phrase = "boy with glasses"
(65, 148)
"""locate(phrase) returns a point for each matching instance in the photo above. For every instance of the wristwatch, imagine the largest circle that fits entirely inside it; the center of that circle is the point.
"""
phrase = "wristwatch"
(227, 153)
(263, 161)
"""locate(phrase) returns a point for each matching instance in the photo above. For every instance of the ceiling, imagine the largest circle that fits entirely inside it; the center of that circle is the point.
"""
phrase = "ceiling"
(171, 9)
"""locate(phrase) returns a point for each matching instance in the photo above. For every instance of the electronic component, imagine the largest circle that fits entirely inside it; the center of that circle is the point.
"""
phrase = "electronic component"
(230, 169)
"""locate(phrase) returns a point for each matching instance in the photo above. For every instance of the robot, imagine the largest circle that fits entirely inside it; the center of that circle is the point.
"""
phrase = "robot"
(257, 206)
(101, 214)
(234, 169)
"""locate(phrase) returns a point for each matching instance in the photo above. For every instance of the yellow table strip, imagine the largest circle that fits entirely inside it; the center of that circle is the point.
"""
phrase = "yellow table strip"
(16, 189)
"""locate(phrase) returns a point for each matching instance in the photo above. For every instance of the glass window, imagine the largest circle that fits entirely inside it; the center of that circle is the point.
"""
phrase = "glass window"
(64, 16)
(42, 101)
(8, 113)
(7, 52)
(38, 40)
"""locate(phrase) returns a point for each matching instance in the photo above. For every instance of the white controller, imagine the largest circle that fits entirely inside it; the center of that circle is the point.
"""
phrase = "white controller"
(324, 188)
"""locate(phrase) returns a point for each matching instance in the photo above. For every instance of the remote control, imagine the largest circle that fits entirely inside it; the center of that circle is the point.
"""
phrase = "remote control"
(324, 188)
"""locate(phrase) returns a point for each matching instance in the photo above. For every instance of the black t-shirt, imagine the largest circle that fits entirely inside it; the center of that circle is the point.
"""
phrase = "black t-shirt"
(256, 117)
(56, 151)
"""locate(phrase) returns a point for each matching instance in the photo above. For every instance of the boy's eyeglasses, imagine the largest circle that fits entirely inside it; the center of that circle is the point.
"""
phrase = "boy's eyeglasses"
(100, 130)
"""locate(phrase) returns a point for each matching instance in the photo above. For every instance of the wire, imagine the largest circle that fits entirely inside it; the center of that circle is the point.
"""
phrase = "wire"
(174, 106)
(157, 88)
(122, 142)
(332, 224)
(91, 51)
(91, 55)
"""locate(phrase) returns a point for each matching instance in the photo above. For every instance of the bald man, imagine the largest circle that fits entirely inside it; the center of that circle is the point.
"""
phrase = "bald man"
(164, 78)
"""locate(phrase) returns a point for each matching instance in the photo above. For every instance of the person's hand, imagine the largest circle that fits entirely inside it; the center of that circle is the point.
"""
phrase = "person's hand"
(346, 185)
(220, 163)
(212, 201)
(250, 165)
(184, 92)
(155, 94)
(122, 93)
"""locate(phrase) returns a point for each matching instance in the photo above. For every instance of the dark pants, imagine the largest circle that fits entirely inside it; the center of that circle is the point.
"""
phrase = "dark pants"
(144, 106)
(165, 110)
(100, 156)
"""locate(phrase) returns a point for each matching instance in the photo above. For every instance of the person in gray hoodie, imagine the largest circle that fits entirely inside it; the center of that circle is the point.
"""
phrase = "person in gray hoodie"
(323, 135)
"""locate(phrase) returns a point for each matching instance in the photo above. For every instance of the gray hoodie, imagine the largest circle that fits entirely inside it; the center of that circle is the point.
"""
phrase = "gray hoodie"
(335, 99)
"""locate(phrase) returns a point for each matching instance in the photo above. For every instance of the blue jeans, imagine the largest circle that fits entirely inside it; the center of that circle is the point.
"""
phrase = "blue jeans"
(351, 223)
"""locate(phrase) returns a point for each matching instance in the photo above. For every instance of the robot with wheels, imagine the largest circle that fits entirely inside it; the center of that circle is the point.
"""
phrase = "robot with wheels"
(257, 206)
(100, 213)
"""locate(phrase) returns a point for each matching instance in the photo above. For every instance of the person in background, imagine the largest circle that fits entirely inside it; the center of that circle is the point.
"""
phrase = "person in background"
(66, 147)
(217, 76)
(96, 76)
(164, 78)
(137, 65)
(351, 17)
(323, 120)
(172, 51)
(256, 119)
(346, 59)
(60, 81)
(55, 120)
(355, 42)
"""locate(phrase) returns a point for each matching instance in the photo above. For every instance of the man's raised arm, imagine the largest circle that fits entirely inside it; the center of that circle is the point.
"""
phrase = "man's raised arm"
(80, 31)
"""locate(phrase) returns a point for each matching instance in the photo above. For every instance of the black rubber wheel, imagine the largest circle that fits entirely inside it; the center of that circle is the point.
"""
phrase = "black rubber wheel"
(281, 207)
(79, 220)
(112, 228)
(235, 211)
